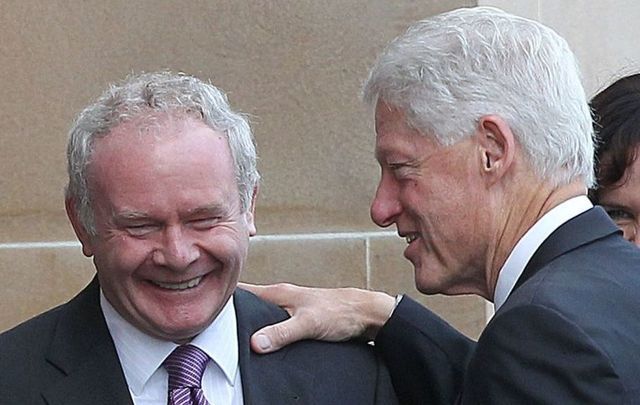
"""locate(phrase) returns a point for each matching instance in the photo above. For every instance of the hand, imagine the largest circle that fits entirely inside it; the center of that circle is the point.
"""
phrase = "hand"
(318, 313)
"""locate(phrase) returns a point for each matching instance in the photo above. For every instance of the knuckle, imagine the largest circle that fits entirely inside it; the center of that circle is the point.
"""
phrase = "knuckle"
(282, 334)
(282, 286)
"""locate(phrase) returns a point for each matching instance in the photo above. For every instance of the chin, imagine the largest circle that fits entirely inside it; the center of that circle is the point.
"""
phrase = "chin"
(427, 283)
(183, 333)
(426, 287)
(428, 290)
(180, 326)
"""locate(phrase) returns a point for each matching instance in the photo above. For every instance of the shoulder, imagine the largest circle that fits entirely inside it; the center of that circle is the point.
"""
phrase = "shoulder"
(340, 372)
(23, 355)
(532, 351)
(577, 315)
(254, 313)
(29, 336)
(37, 332)
(594, 283)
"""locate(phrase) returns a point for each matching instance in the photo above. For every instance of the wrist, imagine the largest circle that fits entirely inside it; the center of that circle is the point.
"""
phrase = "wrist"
(377, 311)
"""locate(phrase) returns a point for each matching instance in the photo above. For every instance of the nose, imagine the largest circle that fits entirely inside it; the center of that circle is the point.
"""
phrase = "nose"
(385, 206)
(177, 250)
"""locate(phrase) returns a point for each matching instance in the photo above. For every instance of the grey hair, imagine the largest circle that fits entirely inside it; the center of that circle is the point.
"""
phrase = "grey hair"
(144, 95)
(447, 72)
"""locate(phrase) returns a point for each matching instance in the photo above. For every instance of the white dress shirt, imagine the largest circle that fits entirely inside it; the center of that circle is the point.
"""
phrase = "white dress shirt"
(531, 241)
(141, 357)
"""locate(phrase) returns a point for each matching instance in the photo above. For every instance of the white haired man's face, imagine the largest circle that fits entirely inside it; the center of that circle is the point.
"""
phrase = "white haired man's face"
(433, 194)
(172, 237)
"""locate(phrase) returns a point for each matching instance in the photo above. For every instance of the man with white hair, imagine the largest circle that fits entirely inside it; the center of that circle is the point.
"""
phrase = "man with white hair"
(485, 143)
(161, 194)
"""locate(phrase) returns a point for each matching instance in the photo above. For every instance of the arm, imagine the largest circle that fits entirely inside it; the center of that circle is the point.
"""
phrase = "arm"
(323, 314)
(426, 357)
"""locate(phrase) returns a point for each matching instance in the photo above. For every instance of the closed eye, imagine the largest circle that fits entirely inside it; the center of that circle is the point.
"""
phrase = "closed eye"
(400, 170)
(140, 229)
(204, 223)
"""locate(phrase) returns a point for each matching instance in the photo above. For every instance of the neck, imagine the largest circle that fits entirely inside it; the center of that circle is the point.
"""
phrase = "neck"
(517, 216)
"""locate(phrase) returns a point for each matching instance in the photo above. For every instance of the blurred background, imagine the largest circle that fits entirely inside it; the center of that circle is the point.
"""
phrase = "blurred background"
(296, 67)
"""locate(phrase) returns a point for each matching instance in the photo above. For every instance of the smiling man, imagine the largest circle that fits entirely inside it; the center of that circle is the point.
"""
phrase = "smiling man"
(484, 139)
(162, 189)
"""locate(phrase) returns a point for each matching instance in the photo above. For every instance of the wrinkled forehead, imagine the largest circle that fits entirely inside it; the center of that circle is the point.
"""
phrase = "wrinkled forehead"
(387, 115)
(157, 138)
(393, 133)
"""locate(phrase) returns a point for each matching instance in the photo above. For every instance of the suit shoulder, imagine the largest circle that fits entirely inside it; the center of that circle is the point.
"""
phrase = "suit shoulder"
(32, 333)
(257, 313)
(586, 276)
(559, 348)
(23, 357)
(600, 327)
(347, 371)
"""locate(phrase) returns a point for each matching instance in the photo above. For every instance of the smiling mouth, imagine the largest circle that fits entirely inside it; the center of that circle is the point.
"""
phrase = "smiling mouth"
(185, 285)
(411, 237)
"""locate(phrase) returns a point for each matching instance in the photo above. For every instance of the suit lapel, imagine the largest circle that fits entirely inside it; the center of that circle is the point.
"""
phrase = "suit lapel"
(267, 379)
(83, 351)
(585, 228)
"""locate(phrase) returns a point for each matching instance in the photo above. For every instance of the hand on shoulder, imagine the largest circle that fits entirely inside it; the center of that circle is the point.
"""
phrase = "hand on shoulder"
(332, 315)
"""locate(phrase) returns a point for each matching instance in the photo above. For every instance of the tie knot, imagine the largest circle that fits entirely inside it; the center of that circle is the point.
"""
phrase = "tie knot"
(185, 366)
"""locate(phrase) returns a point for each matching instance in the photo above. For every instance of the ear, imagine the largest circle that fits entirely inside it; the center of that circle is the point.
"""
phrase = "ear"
(251, 213)
(497, 146)
(81, 232)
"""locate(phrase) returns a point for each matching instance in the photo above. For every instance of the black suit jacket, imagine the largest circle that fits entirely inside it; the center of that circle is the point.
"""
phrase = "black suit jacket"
(569, 333)
(66, 356)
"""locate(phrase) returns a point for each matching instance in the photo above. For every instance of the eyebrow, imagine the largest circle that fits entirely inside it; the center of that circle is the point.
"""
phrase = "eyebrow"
(213, 209)
(129, 215)
(210, 209)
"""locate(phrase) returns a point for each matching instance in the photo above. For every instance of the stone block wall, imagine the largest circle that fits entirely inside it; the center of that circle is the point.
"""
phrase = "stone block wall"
(295, 67)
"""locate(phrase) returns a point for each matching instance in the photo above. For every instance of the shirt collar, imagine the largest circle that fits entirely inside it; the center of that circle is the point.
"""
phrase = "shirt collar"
(141, 355)
(531, 241)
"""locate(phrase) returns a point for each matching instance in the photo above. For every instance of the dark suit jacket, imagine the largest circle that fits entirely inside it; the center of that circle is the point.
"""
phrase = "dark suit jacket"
(66, 356)
(569, 333)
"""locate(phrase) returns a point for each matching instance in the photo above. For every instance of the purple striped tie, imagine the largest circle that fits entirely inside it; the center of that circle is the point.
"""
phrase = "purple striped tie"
(185, 366)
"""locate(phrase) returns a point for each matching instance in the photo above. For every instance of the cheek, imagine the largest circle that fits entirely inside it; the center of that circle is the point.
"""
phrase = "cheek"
(412, 194)
(424, 199)
(122, 256)
(230, 249)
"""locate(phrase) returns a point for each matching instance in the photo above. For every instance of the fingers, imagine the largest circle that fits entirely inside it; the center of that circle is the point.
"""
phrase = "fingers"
(319, 313)
(252, 288)
(278, 294)
(274, 337)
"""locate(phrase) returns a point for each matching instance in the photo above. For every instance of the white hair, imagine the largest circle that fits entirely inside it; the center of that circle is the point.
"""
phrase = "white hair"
(143, 95)
(448, 71)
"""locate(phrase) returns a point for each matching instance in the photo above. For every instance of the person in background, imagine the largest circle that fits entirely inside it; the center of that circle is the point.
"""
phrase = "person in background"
(616, 114)
(485, 142)
(161, 194)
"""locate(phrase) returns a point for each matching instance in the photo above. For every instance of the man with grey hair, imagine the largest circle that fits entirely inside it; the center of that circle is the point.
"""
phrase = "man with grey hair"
(485, 144)
(162, 189)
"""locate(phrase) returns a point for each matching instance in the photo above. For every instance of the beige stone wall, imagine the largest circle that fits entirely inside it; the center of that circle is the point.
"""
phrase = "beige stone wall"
(294, 66)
